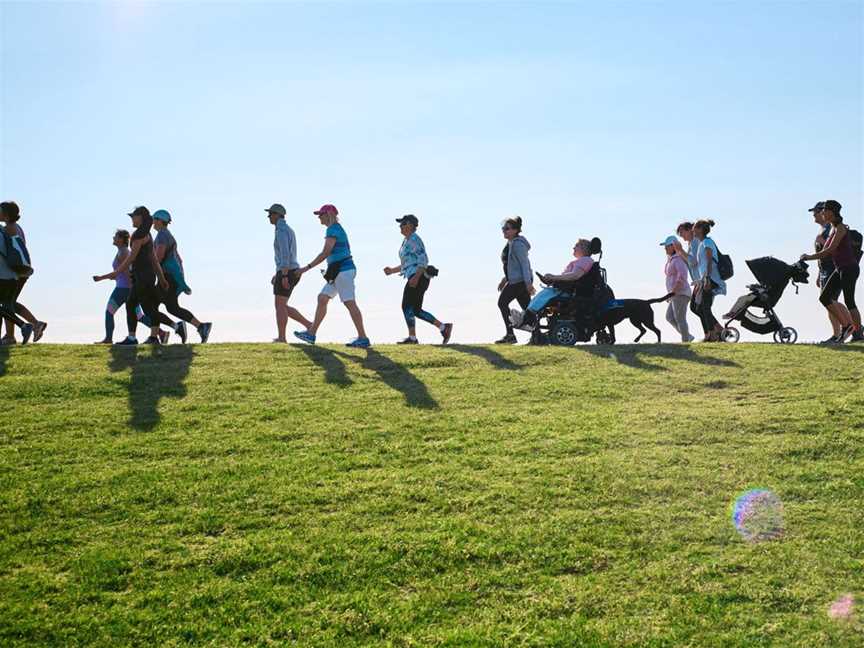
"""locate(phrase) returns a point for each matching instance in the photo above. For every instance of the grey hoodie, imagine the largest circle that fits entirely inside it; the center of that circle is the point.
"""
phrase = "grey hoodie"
(518, 265)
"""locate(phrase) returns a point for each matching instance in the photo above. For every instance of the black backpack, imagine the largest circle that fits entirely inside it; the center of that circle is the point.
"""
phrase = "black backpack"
(724, 265)
(17, 256)
(855, 239)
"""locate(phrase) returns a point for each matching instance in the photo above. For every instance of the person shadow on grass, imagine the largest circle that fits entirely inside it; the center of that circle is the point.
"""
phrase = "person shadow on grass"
(394, 375)
(155, 374)
(632, 354)
(489, 355)
(4, 358)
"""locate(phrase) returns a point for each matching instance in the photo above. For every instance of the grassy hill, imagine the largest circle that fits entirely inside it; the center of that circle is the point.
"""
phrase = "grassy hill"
(462, 496)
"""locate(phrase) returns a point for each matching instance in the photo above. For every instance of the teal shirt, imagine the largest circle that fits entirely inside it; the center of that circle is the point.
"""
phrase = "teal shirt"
(342, 249)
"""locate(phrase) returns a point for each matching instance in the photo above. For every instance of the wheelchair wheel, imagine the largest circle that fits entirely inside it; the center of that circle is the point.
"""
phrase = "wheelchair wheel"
(563, 334)
(730, 334)
(787, 335)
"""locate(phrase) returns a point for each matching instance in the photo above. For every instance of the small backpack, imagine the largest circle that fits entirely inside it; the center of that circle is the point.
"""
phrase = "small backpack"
(855, 239)
(17, 256)
(724, 265)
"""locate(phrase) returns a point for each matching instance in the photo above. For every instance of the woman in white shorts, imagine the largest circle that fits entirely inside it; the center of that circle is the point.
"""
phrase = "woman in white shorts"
(340, 276)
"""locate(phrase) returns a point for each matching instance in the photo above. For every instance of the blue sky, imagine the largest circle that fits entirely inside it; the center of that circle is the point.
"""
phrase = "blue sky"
(609, 119)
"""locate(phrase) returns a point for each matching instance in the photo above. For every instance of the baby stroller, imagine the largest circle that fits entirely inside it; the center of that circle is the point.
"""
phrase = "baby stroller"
(572, 317)
(773, 276)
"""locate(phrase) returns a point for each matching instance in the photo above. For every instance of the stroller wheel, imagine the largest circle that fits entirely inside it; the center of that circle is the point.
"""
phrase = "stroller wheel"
(563, 334)
(786, 335)
(603, 337)
(730, 334)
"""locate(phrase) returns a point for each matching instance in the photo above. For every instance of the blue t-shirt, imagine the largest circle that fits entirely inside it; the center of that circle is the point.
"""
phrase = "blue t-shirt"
(342, 250)
(702, 261)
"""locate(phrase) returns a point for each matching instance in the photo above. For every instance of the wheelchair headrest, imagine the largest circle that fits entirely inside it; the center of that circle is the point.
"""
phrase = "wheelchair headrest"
(596, 246)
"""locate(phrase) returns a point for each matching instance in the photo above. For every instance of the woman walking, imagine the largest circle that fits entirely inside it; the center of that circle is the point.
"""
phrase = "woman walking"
(340, 276)
(122, 288)
(10, 214)
(172, 265)
(145, 270)
(518, 281)
(845, 275)
(413, 266)
(709, 284)
(678, 285)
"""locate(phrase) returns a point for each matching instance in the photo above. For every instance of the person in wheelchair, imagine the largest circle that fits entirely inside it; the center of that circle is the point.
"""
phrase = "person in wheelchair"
(557, 286)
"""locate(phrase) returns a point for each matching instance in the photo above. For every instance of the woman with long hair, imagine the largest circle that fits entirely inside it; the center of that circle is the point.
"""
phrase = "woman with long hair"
(518, 281)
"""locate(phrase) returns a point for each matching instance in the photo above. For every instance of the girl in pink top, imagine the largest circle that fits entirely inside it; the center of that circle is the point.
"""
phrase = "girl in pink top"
(678, 285)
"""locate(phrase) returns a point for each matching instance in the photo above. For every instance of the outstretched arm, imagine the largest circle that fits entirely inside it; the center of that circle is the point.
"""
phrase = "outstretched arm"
(329, 244)
(839, 234)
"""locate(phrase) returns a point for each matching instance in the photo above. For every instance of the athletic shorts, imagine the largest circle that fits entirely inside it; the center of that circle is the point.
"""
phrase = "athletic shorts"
(293, 279)
(343, 285)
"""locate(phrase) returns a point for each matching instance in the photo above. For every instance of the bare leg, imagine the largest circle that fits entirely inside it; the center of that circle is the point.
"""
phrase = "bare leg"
(320, 313)
(356, 317)
(24, 313)
(281, 304)
(835, 323)
(840, 313)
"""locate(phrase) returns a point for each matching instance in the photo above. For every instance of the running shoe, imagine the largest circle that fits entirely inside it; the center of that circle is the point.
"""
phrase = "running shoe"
(180, 329)
(830, 340)
(409, 340)
(846, 334)
(359, 343)
(26, 332)
(446, 333)
(163, 336)
(507, 339)
(105, 341)
(204, 331)
(130, 340)
(8, 341)
(39, 330)
(857, 336)
(153, 340)
(306, 336)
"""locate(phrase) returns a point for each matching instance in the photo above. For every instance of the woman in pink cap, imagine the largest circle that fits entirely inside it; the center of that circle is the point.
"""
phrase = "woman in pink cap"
(340, 276)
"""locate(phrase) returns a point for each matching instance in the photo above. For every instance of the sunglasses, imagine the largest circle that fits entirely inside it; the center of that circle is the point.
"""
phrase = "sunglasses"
(506, 228)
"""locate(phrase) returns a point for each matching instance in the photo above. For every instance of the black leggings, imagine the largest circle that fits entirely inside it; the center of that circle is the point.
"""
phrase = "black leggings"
(147, 295)
(703, 309)
(8, 292)
(841, 280)
(169, 298)
(512, 291)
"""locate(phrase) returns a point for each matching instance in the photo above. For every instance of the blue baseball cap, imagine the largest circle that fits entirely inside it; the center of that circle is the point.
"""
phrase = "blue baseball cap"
(162, 215)
(670, 240)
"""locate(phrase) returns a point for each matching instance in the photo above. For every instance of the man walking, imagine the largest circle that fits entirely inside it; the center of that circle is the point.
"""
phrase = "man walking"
(286, 277)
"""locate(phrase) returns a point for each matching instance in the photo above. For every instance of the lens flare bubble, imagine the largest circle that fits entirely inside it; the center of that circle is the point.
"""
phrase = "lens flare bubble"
(758, 515)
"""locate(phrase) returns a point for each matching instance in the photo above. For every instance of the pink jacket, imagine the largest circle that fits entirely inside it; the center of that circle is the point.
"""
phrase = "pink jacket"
(677, 276)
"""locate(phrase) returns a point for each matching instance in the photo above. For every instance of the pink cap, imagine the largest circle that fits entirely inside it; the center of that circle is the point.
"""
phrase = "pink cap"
(327, 210)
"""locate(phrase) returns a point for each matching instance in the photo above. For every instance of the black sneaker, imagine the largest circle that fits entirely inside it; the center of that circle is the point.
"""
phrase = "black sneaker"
(857, 336)
(26, 332)
(163, 336)
(153, 340)
(409, 340)
(180, 330)
(103, 341)
(128, 341)
(204, 331)
(507, 339)
(830, 340)
(446, 333)
(39, 330)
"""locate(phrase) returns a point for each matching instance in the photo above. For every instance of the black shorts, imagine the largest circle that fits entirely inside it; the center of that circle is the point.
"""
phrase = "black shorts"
(842, 280)
(293, 279)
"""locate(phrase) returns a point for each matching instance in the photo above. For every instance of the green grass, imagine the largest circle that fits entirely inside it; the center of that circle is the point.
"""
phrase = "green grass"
(464, 496)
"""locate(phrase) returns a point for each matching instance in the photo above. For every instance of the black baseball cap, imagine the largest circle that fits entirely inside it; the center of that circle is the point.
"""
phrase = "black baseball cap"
(408, 218)
(140, 211)
(832, 206)
(817, 207)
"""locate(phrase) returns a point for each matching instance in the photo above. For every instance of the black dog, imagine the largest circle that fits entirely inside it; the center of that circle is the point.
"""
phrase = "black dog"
(638, 311)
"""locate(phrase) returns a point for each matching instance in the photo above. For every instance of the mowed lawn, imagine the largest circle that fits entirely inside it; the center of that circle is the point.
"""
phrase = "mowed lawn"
(465, 496)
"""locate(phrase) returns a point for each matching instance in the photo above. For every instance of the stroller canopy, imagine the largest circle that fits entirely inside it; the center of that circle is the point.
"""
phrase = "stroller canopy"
(770, 272)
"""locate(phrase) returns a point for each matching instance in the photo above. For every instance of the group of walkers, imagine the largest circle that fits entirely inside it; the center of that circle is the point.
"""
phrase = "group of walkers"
(340, 277)
(148, 273)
